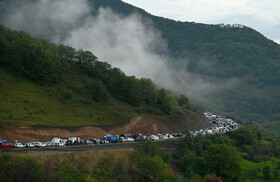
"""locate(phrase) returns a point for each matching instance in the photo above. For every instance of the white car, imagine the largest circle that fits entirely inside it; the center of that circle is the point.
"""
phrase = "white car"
(48, 144)
(153, 137)
(40, 144)
(129, 139)
(18, 145)
(122, 139)
(160, 136)
(29, 144)
(165, 136)
(170, 136)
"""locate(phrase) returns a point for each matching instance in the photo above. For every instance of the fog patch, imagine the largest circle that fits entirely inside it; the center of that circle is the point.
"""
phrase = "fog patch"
(130, 43)
(50, 19)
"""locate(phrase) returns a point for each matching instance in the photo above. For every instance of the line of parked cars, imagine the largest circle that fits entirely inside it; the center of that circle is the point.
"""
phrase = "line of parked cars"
(57, 142)
(219, 123)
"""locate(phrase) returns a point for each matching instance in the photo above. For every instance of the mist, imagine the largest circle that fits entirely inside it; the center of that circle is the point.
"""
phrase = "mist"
(130, 43)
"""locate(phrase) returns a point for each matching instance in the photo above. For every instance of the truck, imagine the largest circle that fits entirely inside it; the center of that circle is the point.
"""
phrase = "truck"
(112, 139)
(57, 142)
(74, 141)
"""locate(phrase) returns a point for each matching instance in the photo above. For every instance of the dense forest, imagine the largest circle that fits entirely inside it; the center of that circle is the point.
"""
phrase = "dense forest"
(215, 52)
(49, 64)
(246, 154)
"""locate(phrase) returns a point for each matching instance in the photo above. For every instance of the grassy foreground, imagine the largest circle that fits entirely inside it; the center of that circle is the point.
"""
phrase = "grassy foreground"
(23, 102)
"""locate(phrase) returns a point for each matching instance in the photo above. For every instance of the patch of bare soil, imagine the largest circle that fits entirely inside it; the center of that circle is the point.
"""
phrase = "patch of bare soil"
(142, 125)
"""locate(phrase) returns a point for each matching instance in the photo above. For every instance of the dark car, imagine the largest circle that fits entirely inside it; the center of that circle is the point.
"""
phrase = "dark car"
(69, 143)
(78, 142)
(104, 142)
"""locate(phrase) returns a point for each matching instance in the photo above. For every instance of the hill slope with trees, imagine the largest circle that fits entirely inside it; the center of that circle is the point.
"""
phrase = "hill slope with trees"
(218, 53)
(55, 85)
(222, 52)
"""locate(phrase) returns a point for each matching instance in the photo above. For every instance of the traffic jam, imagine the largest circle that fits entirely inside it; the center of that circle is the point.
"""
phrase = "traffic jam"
(219, 124)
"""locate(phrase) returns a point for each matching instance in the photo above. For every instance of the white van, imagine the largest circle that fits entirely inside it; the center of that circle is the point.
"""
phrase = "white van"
(73, 139)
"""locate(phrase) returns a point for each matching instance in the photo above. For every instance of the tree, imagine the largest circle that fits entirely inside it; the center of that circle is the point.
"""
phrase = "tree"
(29, 58)
(148, 148)
(142, 91)
(152, 169)
(103, 171)
(189, 164)
(20, 169)
(184, 102)
(169, 103)
(224, 161)
(86, 60)
(212, 178)
(242, 136)
(98, 91)
(68, 172)
(67, 95)
(267, 172)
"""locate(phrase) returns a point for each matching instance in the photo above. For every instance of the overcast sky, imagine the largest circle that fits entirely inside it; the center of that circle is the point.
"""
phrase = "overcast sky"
(261, 15)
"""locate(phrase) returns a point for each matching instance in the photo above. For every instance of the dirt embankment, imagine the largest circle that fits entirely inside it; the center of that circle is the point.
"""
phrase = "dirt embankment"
(142, 125)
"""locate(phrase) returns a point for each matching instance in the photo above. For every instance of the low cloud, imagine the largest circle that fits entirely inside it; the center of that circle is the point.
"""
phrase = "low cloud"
(130, 43)
(49, 19)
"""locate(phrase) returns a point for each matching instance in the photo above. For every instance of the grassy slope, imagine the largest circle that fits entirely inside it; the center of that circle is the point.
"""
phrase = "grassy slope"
(23, 102)
(247, 165)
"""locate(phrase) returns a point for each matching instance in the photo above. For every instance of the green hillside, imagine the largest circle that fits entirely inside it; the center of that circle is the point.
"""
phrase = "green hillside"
(227, 51)
(234, 50)
(42, 83)
(23, 102)
(272, 127)
(218, 53)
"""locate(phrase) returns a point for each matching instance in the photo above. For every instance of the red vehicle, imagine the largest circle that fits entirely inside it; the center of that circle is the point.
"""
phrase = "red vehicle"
(6, 145)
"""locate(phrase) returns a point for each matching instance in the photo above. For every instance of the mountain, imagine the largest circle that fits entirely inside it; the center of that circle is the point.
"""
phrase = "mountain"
(240, 65)
(43, 83)
(229, 52)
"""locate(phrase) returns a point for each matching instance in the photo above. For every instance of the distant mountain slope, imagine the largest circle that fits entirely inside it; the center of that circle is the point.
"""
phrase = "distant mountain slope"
(217, 53)
(226, 51)
(234, 50)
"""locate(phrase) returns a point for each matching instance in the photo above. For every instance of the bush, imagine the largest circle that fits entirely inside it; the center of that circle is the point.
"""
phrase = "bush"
(267, 172)
(67, 95)
(20, 169)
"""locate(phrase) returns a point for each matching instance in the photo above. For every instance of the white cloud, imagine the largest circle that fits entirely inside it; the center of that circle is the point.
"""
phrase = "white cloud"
(261, 15)
(44, 17)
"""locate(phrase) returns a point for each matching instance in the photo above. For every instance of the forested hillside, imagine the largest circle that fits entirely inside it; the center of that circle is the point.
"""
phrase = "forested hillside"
(226, 51)
(72, 87)
(235, 50)
(234, 55)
